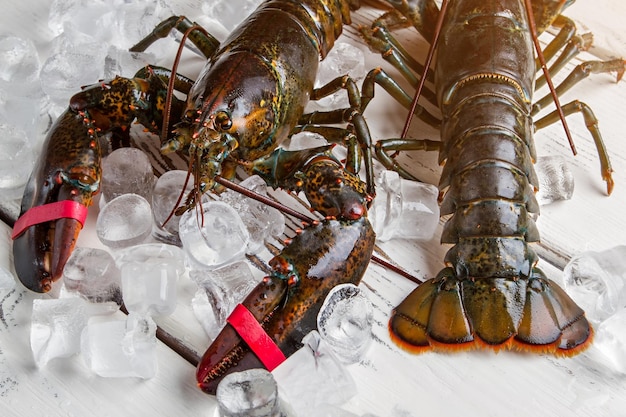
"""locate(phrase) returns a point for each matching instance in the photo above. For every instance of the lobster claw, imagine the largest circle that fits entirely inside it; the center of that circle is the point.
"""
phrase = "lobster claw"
(286, 303)
(59, 190)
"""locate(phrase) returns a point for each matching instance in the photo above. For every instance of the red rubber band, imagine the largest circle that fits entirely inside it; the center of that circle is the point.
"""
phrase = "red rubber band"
(254, 335)
(49, 212)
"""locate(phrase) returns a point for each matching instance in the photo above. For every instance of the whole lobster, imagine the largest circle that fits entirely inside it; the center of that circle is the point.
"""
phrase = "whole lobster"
(249, 97)
(491, 293)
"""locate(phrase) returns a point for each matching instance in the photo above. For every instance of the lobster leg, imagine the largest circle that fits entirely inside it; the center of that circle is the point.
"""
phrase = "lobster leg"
(592, 125)
(205, 42)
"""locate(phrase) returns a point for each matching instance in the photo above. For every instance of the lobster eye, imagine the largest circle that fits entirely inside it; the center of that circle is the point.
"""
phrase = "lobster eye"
(223, 121)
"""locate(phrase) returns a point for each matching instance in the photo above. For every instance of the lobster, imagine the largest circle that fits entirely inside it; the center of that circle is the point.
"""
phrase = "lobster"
(490, 294)
(249, 97)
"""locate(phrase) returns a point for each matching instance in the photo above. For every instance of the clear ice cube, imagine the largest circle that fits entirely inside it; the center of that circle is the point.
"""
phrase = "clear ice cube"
(150, 273)
(122, 62)
(261, 220)
(596, 282)
(56, 326)
(127, 171)
(314, 376)
(124, 221)
(215, 237)
(167, 190)
(229, 14)
(556, 180)
(219, 291)
(404, 209)
(250, 393)
(76, 60)
(343, 59)
(345, 322)
(16, 161)
(306, 140)
(19, 65)
(114, 347)
(610, 341)
(92, 273)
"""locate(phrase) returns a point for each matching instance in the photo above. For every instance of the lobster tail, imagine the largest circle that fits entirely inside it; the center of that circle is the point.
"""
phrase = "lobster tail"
(526, 314)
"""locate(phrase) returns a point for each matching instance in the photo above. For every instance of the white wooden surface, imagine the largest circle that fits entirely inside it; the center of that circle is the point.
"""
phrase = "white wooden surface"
(391, 382)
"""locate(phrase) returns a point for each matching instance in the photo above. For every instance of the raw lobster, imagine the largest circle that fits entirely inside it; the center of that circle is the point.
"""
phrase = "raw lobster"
(491, 293)
(248, 99)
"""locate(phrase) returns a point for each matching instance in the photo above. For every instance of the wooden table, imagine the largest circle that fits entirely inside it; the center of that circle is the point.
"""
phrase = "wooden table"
(390, 381)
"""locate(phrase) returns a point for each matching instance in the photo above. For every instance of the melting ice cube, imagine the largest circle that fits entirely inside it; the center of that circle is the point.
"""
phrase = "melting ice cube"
(150, 273)
(345, 322)
(124, 221)
(215, 237)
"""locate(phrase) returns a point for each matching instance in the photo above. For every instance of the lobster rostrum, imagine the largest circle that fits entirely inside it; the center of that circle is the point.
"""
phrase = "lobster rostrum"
(249, 98)
(490, 293)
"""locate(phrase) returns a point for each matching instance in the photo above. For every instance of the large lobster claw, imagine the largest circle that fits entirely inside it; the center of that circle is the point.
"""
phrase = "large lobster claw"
(287, 302)
(60, 188)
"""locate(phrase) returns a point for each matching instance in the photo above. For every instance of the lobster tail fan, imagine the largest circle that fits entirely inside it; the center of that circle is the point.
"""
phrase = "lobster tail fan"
(552, 321)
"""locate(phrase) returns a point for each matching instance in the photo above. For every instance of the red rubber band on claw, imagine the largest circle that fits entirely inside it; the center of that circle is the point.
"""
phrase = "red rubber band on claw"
(49, 212)
(254, 335)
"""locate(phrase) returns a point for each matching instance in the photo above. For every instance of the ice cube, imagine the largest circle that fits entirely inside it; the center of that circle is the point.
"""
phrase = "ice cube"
(19, 65)
(16, 161)
(343, 59)
(228, 13)
(404, 209)
(219, 291)
(610, 341)
(215, 237)
(126, 171)
(261, 220)
(250, 393)
(30, 115)
(122, 62)
(596, 282)
(76, 60)
(345, 322)
(167, 190)
(92, 273)
(556, 180)
(56, 325)
(124, 221)
(114, 347)
(7, 269)
(55, 328)
(150, 273)
(314, 376)
(306, 140)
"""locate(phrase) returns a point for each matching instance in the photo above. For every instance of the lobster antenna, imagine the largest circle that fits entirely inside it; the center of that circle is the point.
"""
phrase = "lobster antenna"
(180, 196)
(167, 110)
(546, 73)
(429, 58)
(266, 200)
